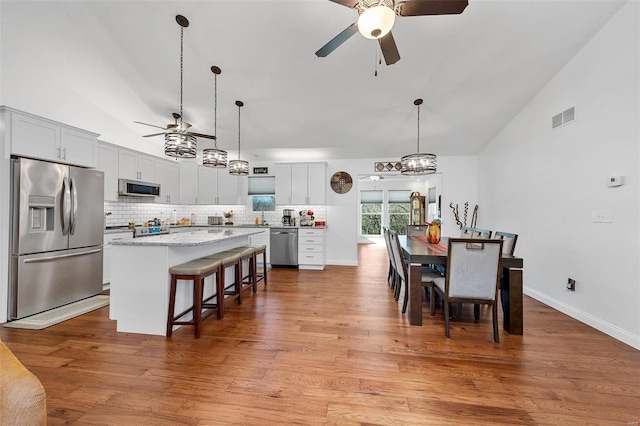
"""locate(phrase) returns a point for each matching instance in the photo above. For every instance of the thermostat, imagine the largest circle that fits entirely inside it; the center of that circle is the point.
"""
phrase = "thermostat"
(614, 181)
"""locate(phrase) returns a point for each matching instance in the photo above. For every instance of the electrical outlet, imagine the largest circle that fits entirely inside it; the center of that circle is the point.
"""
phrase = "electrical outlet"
(571, 284)
(602, 216)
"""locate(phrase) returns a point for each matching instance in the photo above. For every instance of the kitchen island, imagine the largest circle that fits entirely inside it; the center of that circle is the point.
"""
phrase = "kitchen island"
(140, 276)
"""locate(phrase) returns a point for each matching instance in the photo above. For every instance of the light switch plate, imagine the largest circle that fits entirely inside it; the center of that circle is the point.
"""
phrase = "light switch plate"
(602, 216)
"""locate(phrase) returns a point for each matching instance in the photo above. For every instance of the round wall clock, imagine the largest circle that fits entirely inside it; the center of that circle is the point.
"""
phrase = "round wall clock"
(341, 182)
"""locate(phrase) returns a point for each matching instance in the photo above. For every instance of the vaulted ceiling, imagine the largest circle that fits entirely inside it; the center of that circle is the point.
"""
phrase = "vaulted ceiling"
(475, 71)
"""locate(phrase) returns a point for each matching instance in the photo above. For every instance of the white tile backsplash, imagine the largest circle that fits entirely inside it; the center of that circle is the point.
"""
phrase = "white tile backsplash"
(130, 210)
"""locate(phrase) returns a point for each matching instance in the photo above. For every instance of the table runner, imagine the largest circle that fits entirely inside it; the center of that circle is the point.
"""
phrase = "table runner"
(439, 248)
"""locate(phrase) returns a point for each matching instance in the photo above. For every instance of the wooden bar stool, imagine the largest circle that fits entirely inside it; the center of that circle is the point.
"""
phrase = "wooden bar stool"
(195, 270)
(232, 291)
(247, 253)
(260, 249)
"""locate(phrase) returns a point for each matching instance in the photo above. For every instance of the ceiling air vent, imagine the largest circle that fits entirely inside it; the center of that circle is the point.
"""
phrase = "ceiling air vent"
(563, 118)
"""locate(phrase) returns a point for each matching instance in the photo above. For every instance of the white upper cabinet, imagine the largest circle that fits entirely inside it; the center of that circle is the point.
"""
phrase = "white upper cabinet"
(136, 166)
(217, 186)
(301, 183)
(108, 163)
(36, 137)
(167, 174)
(283, 183)
(188, 182)
(229, 188)
(317, 183)
(207, 182)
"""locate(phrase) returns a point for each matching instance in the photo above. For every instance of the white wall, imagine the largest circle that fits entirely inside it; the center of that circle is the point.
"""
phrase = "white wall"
(544, 184)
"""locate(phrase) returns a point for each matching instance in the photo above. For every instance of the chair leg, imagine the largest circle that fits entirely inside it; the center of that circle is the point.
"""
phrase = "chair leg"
(476, 312)
(172, 305)
(264, 267)
(432, 303)
(396, 288)
(446, 317)
(198, 284)
(406, 298)
(494, 311)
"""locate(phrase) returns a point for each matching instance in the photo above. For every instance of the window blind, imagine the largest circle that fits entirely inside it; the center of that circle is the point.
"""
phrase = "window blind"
(371, 197)
(399, 196)
(262, 185)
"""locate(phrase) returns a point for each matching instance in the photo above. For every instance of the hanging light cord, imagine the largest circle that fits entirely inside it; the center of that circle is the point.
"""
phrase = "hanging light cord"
(181, 60)
(215, 109)
(418, 144)
(238, 132)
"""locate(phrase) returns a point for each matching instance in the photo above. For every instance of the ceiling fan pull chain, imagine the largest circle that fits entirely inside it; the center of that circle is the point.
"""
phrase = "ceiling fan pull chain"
(376, 62)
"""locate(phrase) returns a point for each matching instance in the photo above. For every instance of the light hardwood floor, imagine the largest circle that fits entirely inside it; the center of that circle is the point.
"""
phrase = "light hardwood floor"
(333, 348)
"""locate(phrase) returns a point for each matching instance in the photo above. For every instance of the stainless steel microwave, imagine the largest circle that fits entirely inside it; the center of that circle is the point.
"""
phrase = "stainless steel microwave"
(135, 188)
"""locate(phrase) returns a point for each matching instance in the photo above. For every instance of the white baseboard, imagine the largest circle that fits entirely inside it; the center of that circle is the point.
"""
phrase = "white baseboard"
(595, 322)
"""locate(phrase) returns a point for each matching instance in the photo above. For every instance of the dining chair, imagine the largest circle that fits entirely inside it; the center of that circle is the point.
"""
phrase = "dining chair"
(428, 275)
(480, 233)
(473, 275)
(509, 241)
(391, 276)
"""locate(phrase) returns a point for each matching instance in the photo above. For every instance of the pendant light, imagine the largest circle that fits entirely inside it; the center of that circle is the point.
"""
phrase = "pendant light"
(239, 167)
(419, 163)
(178, 142)
(215, 157)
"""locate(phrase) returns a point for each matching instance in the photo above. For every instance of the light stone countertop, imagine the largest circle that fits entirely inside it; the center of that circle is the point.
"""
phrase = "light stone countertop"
(188, 239)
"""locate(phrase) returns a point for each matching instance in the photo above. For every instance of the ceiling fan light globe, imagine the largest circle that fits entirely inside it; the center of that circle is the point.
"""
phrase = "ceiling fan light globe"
(376, 22)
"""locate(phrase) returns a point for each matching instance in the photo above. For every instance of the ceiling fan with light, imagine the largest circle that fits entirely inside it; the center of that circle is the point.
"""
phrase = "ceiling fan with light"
(175, 127)
(178, 141)
(376, 17)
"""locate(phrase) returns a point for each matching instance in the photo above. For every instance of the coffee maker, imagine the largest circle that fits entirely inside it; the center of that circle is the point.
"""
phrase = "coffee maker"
(287, 219)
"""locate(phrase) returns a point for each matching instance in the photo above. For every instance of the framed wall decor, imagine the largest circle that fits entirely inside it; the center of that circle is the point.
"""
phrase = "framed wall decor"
(341, 182)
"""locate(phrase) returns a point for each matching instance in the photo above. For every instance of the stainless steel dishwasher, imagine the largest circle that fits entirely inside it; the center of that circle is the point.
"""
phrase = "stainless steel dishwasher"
(284, 247)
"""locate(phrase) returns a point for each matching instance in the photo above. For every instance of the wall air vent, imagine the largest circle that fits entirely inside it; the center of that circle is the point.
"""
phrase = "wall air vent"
(563, 118)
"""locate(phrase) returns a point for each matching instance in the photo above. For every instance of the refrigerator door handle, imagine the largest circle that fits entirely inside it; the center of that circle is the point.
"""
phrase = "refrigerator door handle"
(62, 256)
(66, 205)
(74, 208)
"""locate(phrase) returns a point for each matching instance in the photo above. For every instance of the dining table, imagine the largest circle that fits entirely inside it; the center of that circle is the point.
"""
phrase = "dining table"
(419, 252)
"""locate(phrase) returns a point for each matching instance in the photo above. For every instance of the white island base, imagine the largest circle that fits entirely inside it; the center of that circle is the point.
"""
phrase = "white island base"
(140, 278)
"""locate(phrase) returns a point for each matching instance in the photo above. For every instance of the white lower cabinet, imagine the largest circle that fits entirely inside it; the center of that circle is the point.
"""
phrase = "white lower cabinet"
(311, 248)
(106, 252)
(259, 239)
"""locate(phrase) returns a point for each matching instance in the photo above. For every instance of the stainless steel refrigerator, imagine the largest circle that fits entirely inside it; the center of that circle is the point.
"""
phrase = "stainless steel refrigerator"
(57, 227)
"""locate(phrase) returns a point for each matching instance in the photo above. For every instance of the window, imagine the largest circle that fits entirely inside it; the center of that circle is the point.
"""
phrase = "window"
(399, 207)
(261, 191)
(371, 212)
(263, 203)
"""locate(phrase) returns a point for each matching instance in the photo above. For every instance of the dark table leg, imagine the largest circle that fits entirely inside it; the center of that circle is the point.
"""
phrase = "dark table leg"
(414, 309)
(511, 297)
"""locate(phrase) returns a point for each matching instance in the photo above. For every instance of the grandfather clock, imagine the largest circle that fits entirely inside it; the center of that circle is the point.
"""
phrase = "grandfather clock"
(416, 214)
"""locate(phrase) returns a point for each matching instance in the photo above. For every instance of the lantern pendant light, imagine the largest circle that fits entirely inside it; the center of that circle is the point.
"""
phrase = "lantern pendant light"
(419, 163)
(178, 142)
(239, 167)
(215, 157)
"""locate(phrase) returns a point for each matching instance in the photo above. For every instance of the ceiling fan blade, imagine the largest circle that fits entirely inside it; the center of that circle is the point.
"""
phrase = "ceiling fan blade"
(348, 3)
(337, 40)
(154, 134)
(152, 125)
(431, 7)
(200, 135)
(389, 49)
